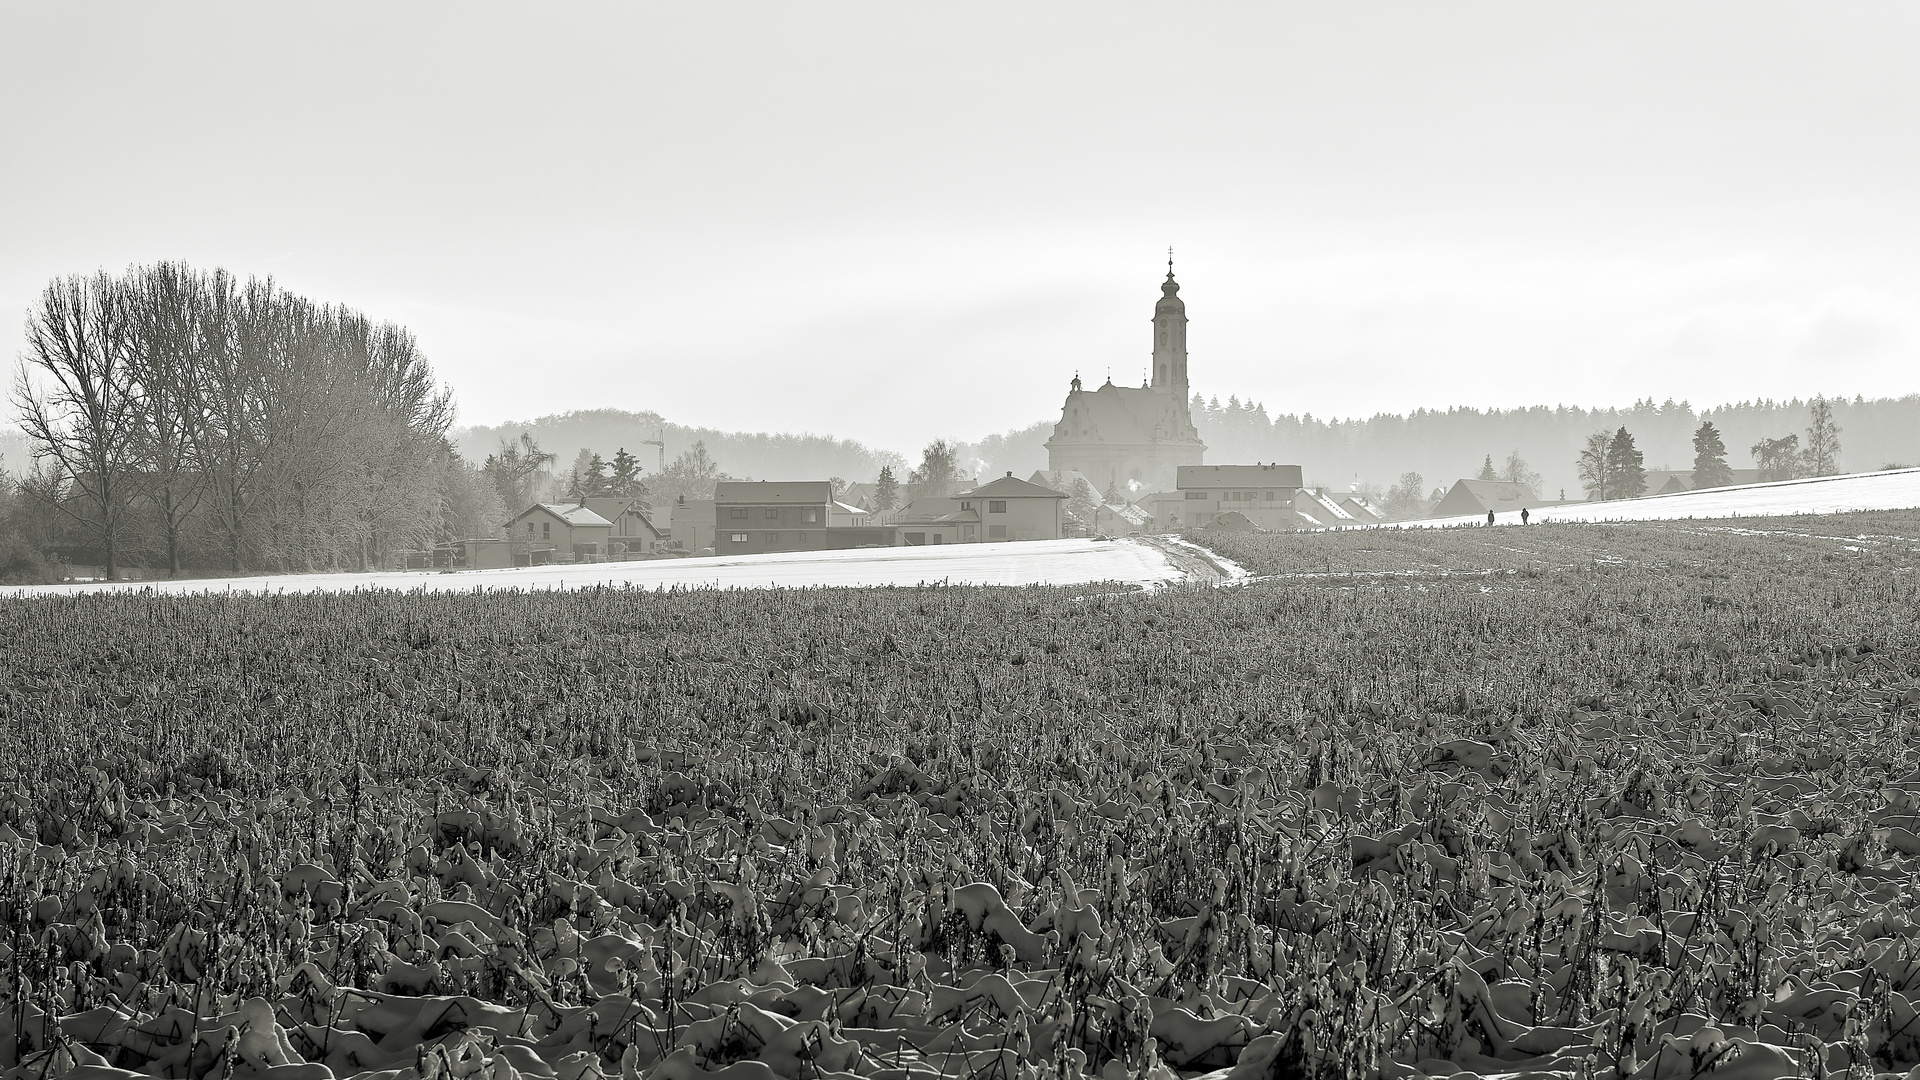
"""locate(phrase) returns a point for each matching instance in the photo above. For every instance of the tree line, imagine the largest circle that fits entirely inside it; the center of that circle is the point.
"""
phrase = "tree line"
(190, 419)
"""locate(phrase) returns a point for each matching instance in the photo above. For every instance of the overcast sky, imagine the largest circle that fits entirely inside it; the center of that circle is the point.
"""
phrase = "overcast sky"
(894, 221)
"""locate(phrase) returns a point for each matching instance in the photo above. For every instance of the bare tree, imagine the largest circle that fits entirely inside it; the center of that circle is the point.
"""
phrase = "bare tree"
(164, 370)
(76, 403)
(1822, 455)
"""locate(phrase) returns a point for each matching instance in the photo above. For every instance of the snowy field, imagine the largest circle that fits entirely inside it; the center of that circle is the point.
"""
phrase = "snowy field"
(1035, 562)
(1895, 490)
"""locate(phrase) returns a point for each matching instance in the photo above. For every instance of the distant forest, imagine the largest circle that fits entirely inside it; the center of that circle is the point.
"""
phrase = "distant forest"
(1440, 445)
(741, 455)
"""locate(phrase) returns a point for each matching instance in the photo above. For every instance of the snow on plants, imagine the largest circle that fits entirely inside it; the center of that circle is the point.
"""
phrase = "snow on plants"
(1654, 812)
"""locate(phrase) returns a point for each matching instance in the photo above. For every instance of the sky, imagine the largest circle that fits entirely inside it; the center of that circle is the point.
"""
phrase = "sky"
(893, 222)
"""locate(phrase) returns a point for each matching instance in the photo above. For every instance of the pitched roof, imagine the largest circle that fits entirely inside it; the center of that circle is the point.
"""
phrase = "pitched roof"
(845, 509)
(1231, 476)
(1012, 487)
(1480, 496)
(763, 492)
(571, 513)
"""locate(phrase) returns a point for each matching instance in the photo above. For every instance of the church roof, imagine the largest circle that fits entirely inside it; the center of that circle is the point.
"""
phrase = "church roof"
(1123, 414)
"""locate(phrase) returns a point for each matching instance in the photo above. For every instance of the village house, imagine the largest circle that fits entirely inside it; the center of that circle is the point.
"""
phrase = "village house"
(798, 515)
(1264, 494)
(690, 524)
(554, 532)
(633, 531)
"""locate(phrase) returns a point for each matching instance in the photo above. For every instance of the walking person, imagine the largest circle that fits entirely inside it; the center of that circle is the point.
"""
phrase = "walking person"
(1523, 515)
(1489, 517)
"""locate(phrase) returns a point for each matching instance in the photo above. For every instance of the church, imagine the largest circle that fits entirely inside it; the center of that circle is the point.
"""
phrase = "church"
(1133, 439)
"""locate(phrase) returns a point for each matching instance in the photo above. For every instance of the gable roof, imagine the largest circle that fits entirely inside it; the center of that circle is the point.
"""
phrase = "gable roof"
(1480, 496)
(1012, 487)
(572, 514)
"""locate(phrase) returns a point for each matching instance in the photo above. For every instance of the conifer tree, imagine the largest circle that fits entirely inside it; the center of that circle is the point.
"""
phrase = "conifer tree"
(625, 481)
(1709, 458)
(886, 491)
(1625, 463)
(1487, 471)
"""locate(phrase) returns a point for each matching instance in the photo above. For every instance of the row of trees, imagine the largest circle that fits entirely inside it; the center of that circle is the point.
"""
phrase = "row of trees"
(1612, 467)
(188, 417)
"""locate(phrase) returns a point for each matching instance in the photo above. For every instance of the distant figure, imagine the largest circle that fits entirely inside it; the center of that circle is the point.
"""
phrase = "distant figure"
(1489, 517)
(1523, 515)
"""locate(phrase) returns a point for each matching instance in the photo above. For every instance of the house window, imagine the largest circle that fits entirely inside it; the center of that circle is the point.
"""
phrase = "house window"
(810, 517)
(739, 538)
(737, 513)
(966, 532)
(996, 506)
(546, 530)
(773, 514)
(966, 506)
(1269, 496)
(935, 539)
(996, 532)
(1196, 495)
(914, 538)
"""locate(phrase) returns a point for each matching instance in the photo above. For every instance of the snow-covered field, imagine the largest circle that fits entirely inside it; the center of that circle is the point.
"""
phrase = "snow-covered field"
(1035, 562)
(1895, 490)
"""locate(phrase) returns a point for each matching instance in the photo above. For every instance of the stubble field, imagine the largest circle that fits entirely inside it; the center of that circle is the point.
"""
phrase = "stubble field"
(1575, 800)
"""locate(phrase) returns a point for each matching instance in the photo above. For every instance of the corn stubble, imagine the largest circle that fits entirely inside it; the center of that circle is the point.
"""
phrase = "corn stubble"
(1579, 802)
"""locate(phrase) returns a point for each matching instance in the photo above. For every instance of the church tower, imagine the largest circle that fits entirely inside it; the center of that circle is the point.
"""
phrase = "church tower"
(1170, 338)
(1133, 439)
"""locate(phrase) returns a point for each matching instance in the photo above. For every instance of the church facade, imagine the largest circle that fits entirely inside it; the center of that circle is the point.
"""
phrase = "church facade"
(1133, 440)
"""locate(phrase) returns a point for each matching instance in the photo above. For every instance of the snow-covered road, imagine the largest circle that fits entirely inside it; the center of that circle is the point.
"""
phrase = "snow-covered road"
(1035, 562)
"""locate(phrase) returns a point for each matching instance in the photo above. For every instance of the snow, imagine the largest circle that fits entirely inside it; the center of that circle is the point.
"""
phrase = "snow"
(1032, 562)
(1898, 489)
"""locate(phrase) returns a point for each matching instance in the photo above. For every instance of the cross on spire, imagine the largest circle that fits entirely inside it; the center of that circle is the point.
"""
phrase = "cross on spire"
(1169, 262)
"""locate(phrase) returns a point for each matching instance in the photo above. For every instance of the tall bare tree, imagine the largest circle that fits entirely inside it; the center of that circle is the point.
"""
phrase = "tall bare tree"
(77, 404)
(165, 372)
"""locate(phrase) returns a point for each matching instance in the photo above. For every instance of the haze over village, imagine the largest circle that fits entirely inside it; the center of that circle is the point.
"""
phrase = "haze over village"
(1158, 278)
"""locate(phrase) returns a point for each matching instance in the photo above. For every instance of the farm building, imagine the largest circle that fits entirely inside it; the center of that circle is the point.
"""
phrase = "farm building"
(1476, 497)
(1669, 481)
(560, 532)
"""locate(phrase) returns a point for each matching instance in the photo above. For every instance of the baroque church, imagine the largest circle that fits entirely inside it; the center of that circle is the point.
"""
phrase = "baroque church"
(1133, 439)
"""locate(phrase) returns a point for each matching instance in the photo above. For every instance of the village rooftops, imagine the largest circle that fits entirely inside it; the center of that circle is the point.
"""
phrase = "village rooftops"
(773, 492)
(1010, 487)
